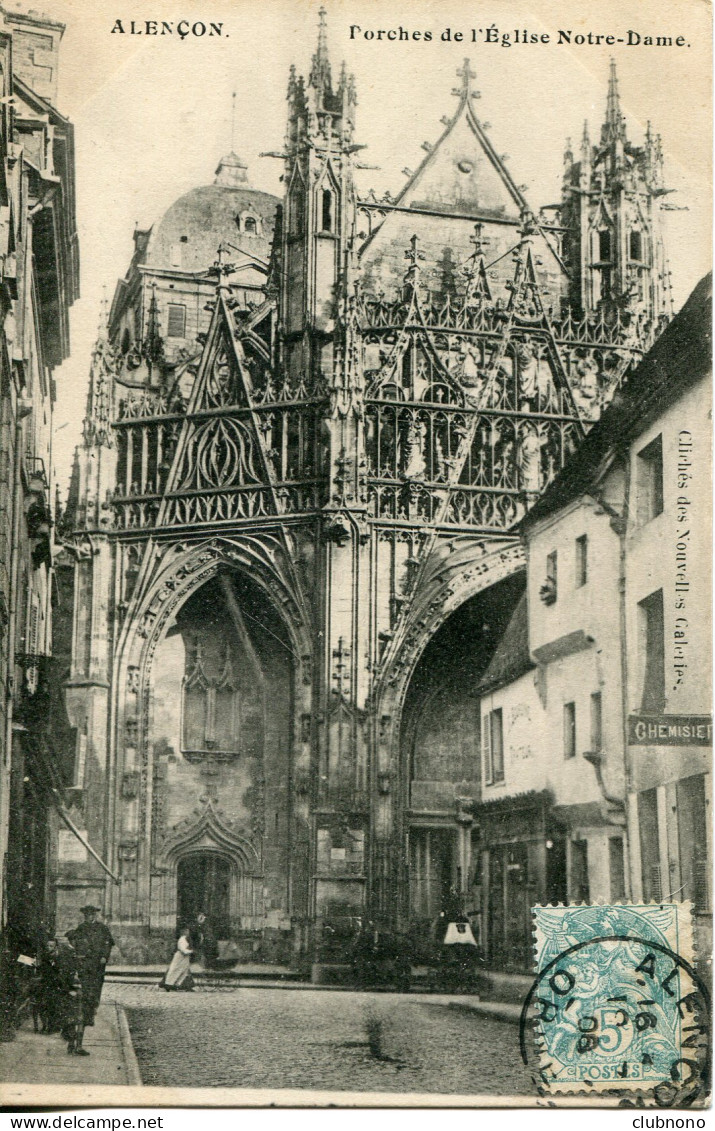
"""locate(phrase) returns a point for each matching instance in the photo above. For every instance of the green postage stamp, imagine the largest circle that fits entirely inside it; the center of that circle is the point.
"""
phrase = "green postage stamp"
(616, 1005)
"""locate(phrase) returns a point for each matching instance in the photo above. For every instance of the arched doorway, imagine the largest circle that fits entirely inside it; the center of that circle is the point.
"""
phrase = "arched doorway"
(441, 751)
(220, 727)
(203, 881)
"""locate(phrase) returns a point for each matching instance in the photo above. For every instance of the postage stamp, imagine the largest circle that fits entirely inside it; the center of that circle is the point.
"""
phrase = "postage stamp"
(616, 1005)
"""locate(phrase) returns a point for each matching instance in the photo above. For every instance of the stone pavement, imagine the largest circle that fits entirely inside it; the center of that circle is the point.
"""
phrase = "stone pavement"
(36, 1069)
(36, 1058)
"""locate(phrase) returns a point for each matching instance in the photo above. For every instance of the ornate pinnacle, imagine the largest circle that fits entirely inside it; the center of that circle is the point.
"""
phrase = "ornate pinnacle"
(474, 272)
(477, 240)
(466, 74)
(528, 225)
(613, 127)
(320, 69)
(221, 265)
(586, 140)
(103, 316)
(413, 255)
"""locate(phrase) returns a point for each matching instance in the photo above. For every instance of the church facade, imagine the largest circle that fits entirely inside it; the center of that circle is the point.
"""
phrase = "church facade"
(312, 426)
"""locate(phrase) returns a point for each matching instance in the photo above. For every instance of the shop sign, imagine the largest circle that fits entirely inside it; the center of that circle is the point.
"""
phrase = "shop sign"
(670, 730)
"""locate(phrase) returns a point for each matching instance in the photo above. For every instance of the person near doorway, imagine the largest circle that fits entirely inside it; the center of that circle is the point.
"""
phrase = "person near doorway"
(178, 975)
(204, 940)
(93, 944)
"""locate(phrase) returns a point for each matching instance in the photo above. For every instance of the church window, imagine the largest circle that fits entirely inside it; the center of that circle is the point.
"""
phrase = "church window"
(636, 244)
(194, 716)
(176, 324)
(210, 705)
(121, 460)
(250, 226)
(296, 210)
(604, 245)
(327, 211)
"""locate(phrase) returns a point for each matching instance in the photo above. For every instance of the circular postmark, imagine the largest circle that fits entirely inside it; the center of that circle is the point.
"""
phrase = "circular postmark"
(619, 1015)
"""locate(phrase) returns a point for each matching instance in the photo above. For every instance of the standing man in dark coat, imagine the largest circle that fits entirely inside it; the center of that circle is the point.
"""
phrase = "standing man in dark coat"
(62, 996)
(93, 944)
(204, 940)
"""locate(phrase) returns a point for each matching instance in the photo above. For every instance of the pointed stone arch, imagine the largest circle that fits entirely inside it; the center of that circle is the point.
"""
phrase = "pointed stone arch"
(171, 575)
(210, 829)
(208, 832)
(183, 568)
(455, 577)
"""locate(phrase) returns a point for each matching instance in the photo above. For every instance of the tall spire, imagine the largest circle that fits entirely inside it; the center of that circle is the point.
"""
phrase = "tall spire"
(613, 128)
(320, 76)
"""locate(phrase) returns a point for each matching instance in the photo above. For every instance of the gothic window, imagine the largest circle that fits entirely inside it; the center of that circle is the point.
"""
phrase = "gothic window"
(194, 715)
(209, 714)
(296, 210)
(122, 460)
(326, 223)
(635, 245)
(176, 325)
(604, 245)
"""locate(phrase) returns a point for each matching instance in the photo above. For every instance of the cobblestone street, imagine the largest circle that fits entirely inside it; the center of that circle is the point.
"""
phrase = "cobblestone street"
(277, 1038)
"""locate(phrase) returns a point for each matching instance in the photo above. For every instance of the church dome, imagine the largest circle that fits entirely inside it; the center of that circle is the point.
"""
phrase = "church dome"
(229, 211)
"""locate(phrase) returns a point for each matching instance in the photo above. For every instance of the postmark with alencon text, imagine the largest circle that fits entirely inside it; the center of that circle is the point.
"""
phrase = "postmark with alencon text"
(616, 1005)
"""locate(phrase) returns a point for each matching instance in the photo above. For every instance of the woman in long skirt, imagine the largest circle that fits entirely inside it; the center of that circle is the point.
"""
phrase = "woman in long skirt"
(178, 976)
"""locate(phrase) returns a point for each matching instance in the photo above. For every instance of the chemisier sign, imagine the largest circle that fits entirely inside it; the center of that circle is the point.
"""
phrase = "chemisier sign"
(670, 730)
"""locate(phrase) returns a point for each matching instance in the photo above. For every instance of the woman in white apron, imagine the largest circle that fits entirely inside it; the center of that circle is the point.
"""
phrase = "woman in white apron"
(178, 976)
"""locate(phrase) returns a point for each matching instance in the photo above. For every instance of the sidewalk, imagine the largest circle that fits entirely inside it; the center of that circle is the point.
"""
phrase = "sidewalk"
(34, 1058)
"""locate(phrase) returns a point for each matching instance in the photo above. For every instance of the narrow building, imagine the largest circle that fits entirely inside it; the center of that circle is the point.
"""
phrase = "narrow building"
(39, 281)
(596, 706)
